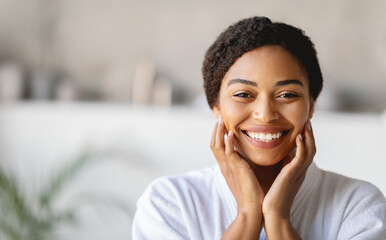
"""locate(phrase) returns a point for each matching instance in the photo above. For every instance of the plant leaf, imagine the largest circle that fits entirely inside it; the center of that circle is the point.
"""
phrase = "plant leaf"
(62, 178)
(13, 202)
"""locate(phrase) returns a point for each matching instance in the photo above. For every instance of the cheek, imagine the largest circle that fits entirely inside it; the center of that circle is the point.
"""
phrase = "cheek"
(298, 116)
(232, 115)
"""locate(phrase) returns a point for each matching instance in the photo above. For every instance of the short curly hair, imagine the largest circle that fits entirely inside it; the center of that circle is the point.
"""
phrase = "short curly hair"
(252, 33)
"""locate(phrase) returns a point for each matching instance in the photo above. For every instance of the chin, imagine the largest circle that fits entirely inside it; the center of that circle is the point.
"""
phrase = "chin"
(265, 157)
(267, 161)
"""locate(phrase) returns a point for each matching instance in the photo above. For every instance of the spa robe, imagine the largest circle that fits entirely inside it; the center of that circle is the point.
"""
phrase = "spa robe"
(199, 205)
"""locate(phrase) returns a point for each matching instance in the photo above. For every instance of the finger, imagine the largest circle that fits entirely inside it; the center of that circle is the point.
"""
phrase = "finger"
(292, 165)
(230, 144)
(312, 138)
(310, 127)
(218, 153)
(310, 148)
(299, 156)
(220, 145)
(231, 152)
(213, 138)
(309, 138)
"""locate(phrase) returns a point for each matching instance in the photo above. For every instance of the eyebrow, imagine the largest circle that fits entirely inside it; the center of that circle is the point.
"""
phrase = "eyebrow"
(277, 84)
(243, 81)
(288, 82)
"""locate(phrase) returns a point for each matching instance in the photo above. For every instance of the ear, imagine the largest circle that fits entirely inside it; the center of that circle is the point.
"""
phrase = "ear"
(217, 112)
(312, 108)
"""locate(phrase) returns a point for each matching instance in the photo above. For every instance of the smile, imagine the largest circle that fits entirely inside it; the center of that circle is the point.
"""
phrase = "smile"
(265, 137)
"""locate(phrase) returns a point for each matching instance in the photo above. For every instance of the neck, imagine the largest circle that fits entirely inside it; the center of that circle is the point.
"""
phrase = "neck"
(266, 174)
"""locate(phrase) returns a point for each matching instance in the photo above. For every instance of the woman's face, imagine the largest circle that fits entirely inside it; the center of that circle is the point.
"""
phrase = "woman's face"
(264, 99)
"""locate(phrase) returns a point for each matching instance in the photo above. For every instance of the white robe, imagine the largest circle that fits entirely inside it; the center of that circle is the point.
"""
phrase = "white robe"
(199, 205)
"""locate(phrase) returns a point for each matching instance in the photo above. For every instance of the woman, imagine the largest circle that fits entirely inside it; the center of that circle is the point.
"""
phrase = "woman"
(261, 80)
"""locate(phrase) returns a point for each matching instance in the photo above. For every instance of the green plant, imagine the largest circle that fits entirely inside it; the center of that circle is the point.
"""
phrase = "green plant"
(36, 219)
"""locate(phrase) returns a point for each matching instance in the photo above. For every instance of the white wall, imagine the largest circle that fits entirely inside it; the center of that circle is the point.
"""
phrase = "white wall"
(37, 139)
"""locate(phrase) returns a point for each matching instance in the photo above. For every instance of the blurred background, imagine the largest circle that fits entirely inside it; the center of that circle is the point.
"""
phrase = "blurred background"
(99, 50)
(121, 80)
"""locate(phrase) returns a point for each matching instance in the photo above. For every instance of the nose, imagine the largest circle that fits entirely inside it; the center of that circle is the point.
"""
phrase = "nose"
(264, 110)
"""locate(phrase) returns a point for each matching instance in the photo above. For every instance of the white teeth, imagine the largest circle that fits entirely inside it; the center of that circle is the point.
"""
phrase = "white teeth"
(268, 137)
(255, 135)
(262, 137)
(265, 137)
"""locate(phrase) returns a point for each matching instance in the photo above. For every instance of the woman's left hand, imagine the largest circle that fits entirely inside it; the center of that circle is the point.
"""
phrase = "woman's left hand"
(278, 200)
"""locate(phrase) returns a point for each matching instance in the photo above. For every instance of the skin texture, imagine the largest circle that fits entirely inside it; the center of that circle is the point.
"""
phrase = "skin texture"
(264, 181)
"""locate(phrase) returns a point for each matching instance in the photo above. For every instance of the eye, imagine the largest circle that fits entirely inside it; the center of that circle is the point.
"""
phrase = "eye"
(288, 95)
(242, 95)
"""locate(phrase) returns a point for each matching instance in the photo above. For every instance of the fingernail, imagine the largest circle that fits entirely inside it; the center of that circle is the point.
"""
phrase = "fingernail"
(301, 137)
(309, 126)
(219, 121)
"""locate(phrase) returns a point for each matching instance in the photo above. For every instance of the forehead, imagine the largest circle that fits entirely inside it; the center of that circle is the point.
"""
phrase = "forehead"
(267, 64)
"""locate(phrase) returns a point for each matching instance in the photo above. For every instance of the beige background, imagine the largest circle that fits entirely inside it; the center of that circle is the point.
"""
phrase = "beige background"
(98, 42)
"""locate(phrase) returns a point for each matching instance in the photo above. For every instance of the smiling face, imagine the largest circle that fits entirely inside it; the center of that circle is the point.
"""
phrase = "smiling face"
(264, 99)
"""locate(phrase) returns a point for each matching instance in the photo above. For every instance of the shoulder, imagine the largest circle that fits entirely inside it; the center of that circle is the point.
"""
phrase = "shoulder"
(198, 181)
(354, 192)
(360, 204)
(170, 204)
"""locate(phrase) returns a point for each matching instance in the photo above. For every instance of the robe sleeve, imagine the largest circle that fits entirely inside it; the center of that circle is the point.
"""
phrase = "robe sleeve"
(368, 219)
(158, 216)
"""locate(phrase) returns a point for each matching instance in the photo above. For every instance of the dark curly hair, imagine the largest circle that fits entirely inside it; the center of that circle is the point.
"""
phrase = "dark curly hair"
(252, 33)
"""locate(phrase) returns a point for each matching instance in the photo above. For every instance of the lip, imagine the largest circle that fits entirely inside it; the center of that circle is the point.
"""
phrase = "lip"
(265, 129)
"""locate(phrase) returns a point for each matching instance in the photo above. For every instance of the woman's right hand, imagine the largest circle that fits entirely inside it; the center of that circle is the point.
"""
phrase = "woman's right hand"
(242, 182)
